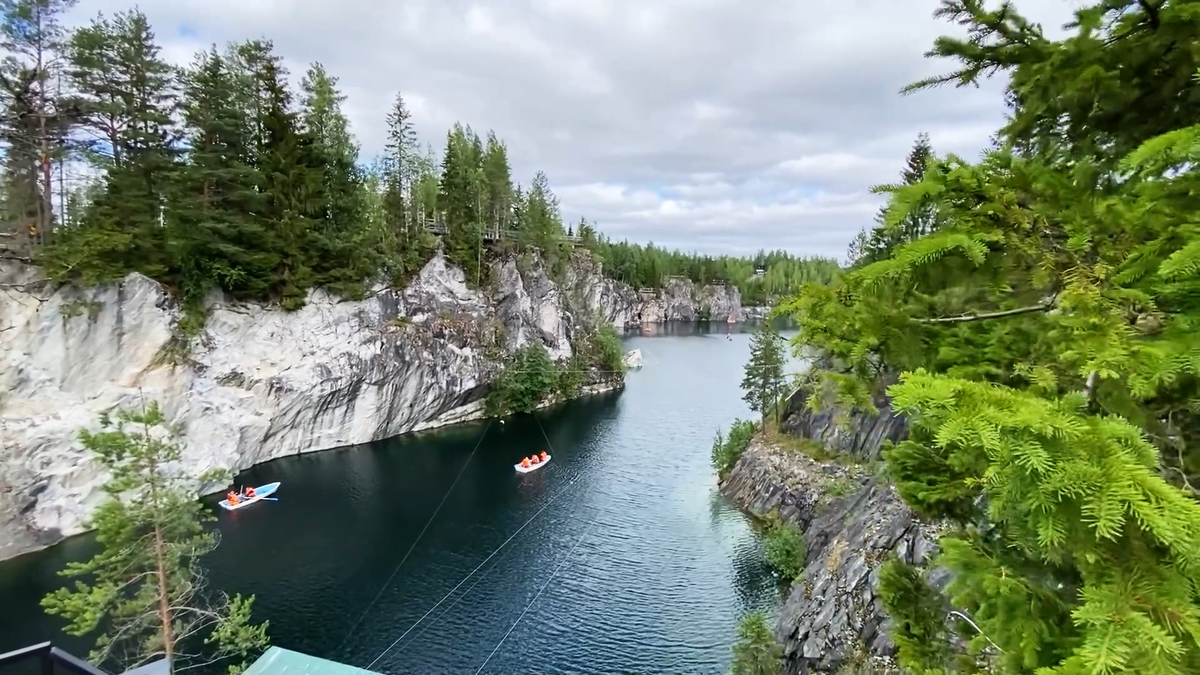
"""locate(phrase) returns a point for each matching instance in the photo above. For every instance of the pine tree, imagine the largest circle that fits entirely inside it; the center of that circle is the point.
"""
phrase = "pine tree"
(763, 381)
(126, 96)
(145, 592)
(37, 121)
(756, 652)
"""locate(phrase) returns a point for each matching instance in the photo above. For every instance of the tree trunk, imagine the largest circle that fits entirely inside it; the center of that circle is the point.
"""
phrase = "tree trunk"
(164, 607)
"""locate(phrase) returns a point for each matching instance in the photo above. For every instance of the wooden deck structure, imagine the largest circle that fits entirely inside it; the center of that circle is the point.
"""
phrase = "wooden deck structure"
(490, 234)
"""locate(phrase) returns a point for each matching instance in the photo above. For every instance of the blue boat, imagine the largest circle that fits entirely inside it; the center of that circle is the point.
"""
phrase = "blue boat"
(260, 493)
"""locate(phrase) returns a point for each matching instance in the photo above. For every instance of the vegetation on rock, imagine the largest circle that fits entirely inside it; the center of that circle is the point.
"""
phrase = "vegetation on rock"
(727, 450)
(755, 652)
(529, 378)
(784, 548)
(1044, 330)
(145, 593)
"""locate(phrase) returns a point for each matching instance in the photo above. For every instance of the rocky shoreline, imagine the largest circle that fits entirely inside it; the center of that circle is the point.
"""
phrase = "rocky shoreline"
(260, 383)
(827, 480)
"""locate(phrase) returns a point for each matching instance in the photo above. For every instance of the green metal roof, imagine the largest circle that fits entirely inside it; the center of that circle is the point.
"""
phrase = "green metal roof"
(277, 661)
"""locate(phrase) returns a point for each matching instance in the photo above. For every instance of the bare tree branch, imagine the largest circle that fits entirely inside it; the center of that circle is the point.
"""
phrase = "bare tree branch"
(1043, 306)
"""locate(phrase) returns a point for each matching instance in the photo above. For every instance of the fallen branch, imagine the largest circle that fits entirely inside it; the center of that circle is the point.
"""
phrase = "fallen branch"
(1042, 306)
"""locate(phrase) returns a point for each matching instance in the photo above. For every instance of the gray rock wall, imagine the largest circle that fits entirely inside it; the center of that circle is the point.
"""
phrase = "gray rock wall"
(260, 383)
(833, 620)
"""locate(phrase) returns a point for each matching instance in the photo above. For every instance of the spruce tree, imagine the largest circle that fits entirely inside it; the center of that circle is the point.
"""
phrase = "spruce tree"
(497, 175)
(145, 593)
(756, 652)
(347, 254)
(762, 383)
(216, 241)
(879, 242)
(460, 199)
(292, 185)
(541, 224)
(1045, 336)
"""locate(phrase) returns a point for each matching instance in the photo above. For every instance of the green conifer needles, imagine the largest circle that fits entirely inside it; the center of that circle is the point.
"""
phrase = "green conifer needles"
(145, 593)
(1045, 331)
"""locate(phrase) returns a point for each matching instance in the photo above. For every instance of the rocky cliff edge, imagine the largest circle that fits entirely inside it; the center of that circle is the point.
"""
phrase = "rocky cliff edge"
(826, 478)
(260, 383)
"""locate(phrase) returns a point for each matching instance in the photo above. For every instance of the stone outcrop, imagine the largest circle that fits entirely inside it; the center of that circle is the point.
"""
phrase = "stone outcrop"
(258, 383)
(678, 300)
(833, 620)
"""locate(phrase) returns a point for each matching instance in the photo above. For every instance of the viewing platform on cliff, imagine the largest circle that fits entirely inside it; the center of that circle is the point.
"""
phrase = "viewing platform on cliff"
(46, 659)
(278, 661)
(491, 233)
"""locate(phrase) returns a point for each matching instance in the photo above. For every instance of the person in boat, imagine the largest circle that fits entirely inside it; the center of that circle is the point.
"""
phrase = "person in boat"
(542, 457)
(249, 492)
(232, 498)
(524, 462)
(534, 460)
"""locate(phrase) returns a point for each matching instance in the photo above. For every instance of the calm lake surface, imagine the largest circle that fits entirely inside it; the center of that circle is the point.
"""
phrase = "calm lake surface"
(659, 570)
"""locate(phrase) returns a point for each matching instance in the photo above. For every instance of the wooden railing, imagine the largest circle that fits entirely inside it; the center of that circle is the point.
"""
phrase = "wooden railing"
(45, 659)
(490, 233)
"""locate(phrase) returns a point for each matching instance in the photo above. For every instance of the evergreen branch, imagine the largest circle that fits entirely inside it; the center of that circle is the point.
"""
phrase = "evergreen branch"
(1042, 306)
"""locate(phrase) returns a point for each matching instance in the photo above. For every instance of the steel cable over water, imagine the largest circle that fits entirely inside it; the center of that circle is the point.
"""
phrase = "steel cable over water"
(418, 539)
(490, 555)
(539, 593)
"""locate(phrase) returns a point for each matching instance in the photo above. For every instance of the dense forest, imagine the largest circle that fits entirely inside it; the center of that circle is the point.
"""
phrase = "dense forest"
(223, 174)
(1036, 315)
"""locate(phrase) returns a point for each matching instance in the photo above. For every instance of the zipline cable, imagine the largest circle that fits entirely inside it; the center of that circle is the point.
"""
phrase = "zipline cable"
(418, 539)
(454, 604)
(513, 627)
(493, 553)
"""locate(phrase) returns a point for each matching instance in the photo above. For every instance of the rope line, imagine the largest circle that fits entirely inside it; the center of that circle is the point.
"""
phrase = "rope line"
(472, 573)
(429, 522)
(470, 588)
(454, 604)
(525, 611)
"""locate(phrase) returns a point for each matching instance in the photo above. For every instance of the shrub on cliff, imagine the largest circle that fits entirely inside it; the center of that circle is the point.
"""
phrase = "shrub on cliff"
(756, 651)
(145, 591)
(528, 378)
(784, 548)
(1045, 329)
(727, 450)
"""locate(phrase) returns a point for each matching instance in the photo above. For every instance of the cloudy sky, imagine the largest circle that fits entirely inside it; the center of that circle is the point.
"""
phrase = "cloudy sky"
(721, 126)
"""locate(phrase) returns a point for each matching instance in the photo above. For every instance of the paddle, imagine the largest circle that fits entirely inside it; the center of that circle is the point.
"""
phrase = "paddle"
(270, 499)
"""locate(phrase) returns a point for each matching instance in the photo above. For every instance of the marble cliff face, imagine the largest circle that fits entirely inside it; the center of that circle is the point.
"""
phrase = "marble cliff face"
(260, 383)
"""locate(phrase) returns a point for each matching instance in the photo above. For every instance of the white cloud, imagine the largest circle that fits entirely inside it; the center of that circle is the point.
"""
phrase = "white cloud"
(714, 125)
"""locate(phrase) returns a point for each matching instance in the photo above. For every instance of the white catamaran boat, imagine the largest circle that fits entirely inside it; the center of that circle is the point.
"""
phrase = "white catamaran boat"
(260, 493)
(532, 467)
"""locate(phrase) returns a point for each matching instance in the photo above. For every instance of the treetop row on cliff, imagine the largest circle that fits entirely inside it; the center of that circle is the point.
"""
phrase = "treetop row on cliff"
(217, 174)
